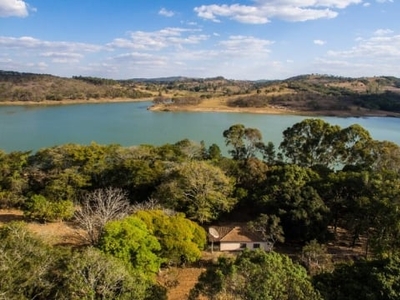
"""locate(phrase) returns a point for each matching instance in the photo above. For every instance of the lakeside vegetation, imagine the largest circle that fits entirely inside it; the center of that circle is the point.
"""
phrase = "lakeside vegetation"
(306, 94)
(144, 208)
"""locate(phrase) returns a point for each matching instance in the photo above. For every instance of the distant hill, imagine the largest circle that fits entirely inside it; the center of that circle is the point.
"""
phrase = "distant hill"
(310, 92)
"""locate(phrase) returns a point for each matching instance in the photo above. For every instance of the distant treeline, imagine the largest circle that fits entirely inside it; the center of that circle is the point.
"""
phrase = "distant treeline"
(303, 93)
(34, 87)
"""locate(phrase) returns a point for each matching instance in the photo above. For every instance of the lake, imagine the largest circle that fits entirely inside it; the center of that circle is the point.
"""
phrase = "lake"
(130, 123)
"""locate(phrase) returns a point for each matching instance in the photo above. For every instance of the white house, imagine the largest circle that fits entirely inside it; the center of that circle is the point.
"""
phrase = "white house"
(236, 238)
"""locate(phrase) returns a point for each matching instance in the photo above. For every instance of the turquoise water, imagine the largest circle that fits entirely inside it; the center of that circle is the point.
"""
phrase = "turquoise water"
(34, 127)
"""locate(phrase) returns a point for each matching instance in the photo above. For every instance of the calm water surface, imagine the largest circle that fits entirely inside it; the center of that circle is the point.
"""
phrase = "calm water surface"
(35, 127)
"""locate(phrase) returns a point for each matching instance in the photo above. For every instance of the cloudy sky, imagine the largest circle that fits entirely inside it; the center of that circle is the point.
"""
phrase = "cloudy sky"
(237, 39)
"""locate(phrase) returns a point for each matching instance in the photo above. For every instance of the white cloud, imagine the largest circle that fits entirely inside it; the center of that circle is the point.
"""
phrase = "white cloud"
(27, 43)
(245, 45)
(157, 40)
(376, 47)
(63, 57)
(13, 8)
(383, 32)
(319, 42)
(166, 13)
(264, 10)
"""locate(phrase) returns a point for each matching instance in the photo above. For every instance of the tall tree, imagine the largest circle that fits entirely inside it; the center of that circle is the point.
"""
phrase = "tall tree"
(289, 194)
(246, 142)
(314, 142)
(311, 142)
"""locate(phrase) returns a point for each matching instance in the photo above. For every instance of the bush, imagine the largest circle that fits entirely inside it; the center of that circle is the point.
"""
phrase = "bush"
(40, 209)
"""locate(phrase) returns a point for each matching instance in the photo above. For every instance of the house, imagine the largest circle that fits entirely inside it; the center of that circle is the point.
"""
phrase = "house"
(236, 238)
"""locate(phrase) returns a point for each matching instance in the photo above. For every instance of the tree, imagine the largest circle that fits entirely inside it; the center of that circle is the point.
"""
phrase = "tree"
(245, 141)
(90, 274)
(255, 275)
(314, 142)
(99, 207)
(269, 227)
(316, 258)
(199, 189)
(180, 239)
(375, 280)
(311, 142)
(26, 264)
(131, 241)
(13, 182)
(289, 194)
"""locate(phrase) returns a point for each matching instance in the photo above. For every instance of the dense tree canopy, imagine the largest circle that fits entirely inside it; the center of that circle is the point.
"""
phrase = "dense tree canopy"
(131, 241)
(255, 275)
(375, 280)
(180, 239)
(199, 189)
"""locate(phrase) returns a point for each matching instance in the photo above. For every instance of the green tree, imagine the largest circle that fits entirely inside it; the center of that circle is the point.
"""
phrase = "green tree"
(269, 227)
(90, 274)
(180, 239)
(199, 189)
(316, 258)
(26, 264)
(255, 275)
(13, 179)
(289, 194)
(131, 241)
(246, 142)
(311, 142)
(314, 142)
(375, 280)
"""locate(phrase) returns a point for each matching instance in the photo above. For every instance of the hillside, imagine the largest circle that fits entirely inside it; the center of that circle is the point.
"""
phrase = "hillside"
(304, 94)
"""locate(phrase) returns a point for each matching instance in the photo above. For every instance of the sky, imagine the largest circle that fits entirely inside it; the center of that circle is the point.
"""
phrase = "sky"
(242, 39)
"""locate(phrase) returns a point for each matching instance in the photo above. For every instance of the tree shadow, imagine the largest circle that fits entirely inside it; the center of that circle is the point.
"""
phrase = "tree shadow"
(10, 217)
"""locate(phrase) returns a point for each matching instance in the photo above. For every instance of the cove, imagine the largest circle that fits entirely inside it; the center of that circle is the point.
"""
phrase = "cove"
(24, 128)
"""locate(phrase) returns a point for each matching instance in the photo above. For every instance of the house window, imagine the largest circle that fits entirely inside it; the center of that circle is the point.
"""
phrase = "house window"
(243, 246)
(256, 246)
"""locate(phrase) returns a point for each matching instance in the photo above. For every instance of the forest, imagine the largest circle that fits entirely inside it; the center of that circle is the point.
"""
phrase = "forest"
(147, 207)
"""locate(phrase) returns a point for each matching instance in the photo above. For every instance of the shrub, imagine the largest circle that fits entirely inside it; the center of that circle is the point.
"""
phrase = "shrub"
(39, 208)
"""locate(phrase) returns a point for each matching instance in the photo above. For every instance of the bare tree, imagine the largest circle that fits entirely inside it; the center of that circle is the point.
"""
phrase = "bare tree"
(99, 207)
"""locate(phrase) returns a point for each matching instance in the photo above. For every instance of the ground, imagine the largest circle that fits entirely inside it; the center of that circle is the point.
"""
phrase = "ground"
(179, 280)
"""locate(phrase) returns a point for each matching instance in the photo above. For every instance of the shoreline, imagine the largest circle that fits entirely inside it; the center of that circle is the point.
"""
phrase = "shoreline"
(271, 110)
(71, 102)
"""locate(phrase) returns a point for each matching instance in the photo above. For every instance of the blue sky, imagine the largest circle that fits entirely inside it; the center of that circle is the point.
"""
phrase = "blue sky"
(243, 39)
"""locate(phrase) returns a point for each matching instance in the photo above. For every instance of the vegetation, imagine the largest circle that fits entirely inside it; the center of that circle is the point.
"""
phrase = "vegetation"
(308, 94)
(147, 207)
(255, 275)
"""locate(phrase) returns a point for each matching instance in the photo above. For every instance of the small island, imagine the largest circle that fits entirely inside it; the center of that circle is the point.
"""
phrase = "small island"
(310, 95)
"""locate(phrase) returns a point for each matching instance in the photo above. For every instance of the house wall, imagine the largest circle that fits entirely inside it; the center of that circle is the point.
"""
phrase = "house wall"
(232, 246)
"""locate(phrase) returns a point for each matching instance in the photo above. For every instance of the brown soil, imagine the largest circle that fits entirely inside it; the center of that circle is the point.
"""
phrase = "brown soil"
(55, 233)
